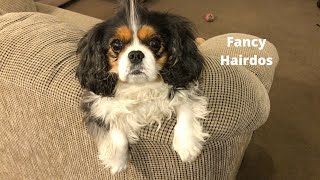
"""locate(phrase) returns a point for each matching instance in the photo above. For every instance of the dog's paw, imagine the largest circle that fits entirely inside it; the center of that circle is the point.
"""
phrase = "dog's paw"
(118, 167)
(188, 141)
(113, 151)
(115, 163)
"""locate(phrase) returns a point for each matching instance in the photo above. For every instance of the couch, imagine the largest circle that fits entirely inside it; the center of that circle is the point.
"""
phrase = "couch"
(53, 2)
(42, 135)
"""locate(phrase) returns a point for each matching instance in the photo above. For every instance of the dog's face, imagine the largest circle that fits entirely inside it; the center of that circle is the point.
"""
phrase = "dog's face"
(138, 46)
(136, 56)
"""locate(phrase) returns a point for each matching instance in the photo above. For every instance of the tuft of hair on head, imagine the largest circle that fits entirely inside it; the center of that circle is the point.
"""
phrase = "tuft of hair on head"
(131, 9)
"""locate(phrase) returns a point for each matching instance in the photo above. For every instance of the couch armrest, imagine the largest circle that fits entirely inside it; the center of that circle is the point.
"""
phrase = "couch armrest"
(238, 101)
(45, 48)
(245, 87)
(238, 95)
(217, 46)
(40, 123)
(52, 2)
(7, 6)
(81, 21)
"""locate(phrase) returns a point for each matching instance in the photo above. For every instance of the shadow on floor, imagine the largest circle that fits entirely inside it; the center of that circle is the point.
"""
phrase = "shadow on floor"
(256, 164)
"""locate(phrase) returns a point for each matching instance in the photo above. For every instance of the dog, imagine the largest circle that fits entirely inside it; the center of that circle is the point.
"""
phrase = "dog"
(138, 68)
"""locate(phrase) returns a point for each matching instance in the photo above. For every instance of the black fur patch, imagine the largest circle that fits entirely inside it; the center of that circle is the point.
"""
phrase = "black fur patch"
(93, 70)
(183, 66)
(185, 61)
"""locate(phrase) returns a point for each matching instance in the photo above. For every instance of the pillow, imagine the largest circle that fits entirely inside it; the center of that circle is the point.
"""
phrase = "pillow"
(7, 6)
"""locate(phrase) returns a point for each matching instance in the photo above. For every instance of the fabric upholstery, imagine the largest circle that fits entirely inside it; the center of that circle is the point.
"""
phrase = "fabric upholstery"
(41, 132)
(81, 21)
(218, 48)
(17, 6)
(52, 2)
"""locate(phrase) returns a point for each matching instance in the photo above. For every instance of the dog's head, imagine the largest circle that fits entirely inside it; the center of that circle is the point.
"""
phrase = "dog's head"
(138, 46)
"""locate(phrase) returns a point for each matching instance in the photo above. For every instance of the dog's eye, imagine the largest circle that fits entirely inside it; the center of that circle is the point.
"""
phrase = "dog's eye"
(155, 44)
(116, 45)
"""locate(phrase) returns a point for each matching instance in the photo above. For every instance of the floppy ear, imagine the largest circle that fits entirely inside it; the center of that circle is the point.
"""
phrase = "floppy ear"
(93, 70)
(185, 61)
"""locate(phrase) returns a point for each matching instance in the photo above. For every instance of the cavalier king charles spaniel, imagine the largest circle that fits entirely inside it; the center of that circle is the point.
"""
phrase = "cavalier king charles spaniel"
(137, 68)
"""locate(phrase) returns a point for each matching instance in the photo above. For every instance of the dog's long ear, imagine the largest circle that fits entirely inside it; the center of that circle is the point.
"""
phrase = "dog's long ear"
(93, 70)
(185, 61)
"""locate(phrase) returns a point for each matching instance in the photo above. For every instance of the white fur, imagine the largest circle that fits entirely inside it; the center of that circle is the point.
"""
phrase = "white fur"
(188, 133)
(134, 19)
(149, 66)
(134, 106)
(113, 150)
(137, 105)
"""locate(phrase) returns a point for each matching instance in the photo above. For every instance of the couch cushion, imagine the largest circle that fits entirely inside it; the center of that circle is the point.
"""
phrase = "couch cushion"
(53, 2)
(37, 70)
(37, 51)
(7, 6)
(82, 21)
(217, 46)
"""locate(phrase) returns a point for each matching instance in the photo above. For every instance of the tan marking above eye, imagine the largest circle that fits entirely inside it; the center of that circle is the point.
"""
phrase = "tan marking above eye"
(123, 33)
(146, 32)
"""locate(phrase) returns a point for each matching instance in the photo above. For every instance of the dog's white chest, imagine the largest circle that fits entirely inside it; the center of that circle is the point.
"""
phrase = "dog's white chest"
(134, 106)
(143, 103)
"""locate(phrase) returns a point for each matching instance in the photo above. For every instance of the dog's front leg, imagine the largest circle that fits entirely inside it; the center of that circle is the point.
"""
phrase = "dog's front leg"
(188, 134)
(113, 149)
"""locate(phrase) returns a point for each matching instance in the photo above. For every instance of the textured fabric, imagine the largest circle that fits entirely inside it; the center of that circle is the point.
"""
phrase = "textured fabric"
(42, 135)
(52, 2)
(7, 6)
(217, 46)
(81, 21)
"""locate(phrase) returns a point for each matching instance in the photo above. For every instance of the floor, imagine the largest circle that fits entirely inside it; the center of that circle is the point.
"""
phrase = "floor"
(288, 145)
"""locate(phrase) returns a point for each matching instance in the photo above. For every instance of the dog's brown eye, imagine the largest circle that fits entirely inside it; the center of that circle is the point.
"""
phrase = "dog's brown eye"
(155, 44)
(116, 45)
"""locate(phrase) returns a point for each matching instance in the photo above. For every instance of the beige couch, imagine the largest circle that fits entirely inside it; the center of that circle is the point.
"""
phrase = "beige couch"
(53, 2)
(41, 132)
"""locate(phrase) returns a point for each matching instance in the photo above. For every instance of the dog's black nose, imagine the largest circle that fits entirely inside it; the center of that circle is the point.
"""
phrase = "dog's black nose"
(136, 57)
